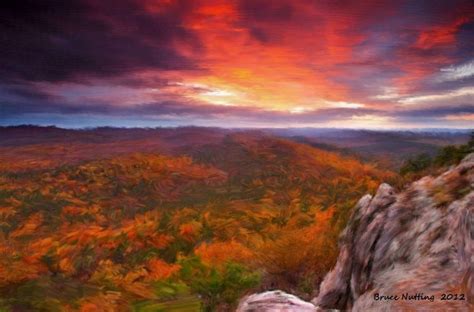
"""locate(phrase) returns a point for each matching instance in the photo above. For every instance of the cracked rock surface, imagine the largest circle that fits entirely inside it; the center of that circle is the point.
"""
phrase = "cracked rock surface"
(419, 242)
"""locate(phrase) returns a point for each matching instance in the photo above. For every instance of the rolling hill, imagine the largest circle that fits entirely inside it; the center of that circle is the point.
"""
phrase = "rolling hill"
(152, 218)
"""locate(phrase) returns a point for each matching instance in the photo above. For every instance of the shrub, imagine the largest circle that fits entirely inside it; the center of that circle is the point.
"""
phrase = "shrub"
(216, 286)
(417, 164)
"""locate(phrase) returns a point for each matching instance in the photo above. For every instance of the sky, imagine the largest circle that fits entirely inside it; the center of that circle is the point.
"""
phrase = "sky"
(243, 63)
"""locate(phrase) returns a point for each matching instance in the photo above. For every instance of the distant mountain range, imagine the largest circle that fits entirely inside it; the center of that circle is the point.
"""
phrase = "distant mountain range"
(389, 149)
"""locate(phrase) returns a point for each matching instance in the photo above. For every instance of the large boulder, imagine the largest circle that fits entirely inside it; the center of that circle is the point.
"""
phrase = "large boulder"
(417, 245)
(274, 301)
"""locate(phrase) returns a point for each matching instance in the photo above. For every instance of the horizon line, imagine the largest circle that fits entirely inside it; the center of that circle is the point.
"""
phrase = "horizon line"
(239, 128)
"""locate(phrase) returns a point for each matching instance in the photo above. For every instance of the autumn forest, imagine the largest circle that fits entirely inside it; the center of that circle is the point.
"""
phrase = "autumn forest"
(169, 219)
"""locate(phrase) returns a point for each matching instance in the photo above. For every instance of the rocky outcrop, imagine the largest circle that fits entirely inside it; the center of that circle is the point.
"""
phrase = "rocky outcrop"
(275, 301)
(406, 251)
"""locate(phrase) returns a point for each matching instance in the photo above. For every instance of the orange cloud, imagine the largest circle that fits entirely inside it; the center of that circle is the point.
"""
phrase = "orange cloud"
(231, 58)
(292, 63)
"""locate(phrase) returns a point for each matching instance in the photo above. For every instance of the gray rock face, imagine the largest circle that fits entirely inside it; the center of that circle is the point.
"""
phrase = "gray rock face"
(275, 301)
(419, 242)
(416, 245)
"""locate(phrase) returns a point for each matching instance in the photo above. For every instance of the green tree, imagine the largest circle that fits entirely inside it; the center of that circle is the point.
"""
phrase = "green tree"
(451, 155)
(446, 156)
(417, 164)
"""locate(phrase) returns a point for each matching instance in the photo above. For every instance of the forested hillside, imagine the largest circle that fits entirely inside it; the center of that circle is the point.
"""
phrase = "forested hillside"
(170, 228)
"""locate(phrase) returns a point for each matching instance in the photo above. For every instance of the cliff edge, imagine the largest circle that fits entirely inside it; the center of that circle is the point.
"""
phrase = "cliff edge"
(409, 251)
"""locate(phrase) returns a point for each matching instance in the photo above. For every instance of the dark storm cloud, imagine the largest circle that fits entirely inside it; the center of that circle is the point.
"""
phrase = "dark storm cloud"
(465, 44)
(62, 40)
(24, 91)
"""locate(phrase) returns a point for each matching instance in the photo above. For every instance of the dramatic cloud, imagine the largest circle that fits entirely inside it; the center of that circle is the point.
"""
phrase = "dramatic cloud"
(238, 63)
(57, 41)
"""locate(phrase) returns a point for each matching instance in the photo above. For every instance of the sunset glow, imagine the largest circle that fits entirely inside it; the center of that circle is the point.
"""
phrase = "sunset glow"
(237, 63)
